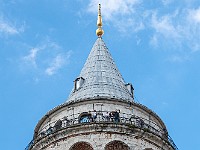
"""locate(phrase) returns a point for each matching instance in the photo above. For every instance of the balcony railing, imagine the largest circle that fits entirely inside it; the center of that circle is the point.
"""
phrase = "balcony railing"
(113, 117)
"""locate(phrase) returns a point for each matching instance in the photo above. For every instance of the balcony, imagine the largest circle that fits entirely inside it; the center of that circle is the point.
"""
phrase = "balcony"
(102, 117)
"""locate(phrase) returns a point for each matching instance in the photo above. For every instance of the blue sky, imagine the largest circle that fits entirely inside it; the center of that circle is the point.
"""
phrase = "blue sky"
(44, 44)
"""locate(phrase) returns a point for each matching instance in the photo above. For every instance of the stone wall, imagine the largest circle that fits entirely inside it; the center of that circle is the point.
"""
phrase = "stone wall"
(126, 110)
(98, 135)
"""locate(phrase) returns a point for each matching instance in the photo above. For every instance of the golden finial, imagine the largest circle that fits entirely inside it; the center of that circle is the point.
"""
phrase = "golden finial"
(99, 31)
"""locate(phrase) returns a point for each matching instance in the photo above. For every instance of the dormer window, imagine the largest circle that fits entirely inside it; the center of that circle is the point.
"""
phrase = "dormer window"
(78, 83)
(130, 88)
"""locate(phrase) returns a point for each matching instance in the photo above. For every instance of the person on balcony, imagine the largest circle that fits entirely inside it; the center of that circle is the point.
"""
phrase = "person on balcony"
(107, 116)
(58, 125)
(66, 120)
(111, 116)
(94, 116)
(116, 116)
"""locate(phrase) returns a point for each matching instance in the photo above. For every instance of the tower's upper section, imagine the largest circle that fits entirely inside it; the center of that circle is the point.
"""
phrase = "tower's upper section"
(100, 77)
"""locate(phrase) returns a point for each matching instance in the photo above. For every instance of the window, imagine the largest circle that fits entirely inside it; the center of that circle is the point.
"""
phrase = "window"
(85, 117)
(81, 146)
(130, 88)
(58, 124)
(117, 145)
(78, 83)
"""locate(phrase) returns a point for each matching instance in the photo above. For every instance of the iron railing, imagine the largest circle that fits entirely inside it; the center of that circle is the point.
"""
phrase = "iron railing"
(129, 120)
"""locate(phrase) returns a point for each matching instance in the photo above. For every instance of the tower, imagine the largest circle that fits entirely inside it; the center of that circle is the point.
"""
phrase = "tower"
(100, 113)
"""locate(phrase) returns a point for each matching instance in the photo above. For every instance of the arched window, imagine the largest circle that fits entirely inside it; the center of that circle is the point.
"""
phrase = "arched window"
(85, 117)
(81, 146)
(117, 145)
(58, 125)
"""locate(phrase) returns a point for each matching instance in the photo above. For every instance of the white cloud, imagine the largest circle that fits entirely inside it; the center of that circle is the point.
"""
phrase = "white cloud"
(175, 30)
(164, 25)
(113, 7)
(46, 58)
(167, 34)
(129, 24)
(154, 41)
(32, 56)
(167, 2)
(191, 28)
(178, 58)
(8, 28)
(57, 63)
(119, 12)
(179, 30)
(194, 15)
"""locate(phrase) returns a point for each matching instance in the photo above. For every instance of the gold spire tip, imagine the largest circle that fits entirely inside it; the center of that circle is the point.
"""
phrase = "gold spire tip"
(99, 31)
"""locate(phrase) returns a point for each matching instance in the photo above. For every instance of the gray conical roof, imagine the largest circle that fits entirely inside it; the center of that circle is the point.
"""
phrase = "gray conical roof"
(101, 78)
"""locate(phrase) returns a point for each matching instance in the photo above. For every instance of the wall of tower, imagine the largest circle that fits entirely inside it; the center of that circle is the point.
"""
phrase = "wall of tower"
(98, 133)
(125, 108)
(99, 142)
(98, 139)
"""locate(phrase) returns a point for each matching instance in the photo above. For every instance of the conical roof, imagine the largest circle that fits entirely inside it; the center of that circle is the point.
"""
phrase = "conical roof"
(100, 77)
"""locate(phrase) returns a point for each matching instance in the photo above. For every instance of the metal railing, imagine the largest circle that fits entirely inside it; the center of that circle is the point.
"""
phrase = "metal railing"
(30, 145)
(129, 120)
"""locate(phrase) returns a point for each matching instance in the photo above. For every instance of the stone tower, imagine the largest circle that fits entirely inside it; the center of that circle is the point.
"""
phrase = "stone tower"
(100, 113)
